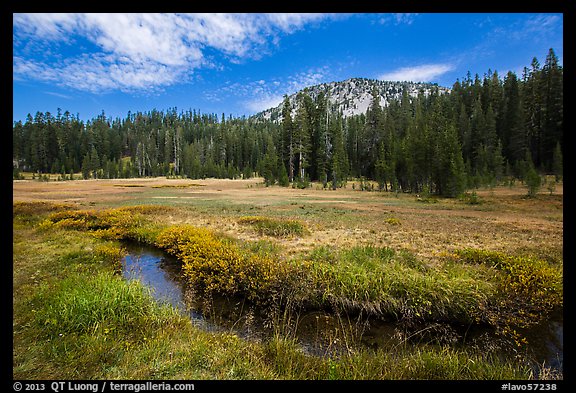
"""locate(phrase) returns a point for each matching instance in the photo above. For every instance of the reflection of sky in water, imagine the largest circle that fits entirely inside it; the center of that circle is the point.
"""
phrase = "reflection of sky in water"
(145, 267)
(161, 273)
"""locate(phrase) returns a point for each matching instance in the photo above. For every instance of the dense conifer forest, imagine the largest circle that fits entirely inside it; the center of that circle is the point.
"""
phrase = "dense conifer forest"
(485, 130)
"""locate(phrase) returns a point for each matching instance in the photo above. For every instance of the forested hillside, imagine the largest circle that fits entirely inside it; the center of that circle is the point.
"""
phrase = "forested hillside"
(480, 131)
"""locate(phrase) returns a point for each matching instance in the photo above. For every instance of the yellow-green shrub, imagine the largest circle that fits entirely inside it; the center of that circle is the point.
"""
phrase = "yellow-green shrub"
(107, 224)
(218, 265)
(528, 288)
(75, 219)
(112, 254)
(117, 224)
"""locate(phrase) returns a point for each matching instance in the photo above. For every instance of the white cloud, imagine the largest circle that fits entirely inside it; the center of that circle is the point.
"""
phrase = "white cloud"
(97, 74)
(264, 102)
(421, 73)
(143, 51)
(289, 22)
(45, 25)
(307, 78)
(259, 95)
(272, 95)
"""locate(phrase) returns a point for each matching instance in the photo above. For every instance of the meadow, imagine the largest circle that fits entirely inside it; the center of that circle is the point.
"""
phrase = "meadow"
(492, 257)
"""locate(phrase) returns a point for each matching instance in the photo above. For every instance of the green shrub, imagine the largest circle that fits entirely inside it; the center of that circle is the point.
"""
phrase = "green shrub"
(533, 181)
(470, 198)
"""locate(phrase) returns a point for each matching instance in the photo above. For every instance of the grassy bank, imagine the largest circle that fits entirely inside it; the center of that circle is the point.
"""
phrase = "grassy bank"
(75, 317)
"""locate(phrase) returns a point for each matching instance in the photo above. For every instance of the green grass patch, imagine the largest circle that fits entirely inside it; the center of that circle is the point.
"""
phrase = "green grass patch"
(79, 304)
(379, 281)
(275, 227)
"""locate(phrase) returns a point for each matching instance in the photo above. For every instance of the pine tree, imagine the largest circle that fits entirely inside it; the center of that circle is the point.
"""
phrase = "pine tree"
(95, 164)
(86, 166)
(270, 163)
(177, 149)
(372, 134)
(553, 119)
(477, 138)
(288, 150)
(465, 132)
(532, 99)
(557, 162)
(320, 144)
(282, 175)
(339, 164)
(513, 130)
(452, 174)
(532, 178)
(382, 169)
(168, 149)
(301, 134)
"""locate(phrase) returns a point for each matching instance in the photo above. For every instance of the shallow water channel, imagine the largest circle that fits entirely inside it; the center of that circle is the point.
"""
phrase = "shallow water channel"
(320, 333)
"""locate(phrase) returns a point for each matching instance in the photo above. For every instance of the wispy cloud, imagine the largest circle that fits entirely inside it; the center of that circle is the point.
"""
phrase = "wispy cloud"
(263, 94)
(53, 93)
(397, 19)
(271, 95)
(527, 31)
(143, 52)
(537, 27)
(307, 78)
(264, 102)
(420, 73)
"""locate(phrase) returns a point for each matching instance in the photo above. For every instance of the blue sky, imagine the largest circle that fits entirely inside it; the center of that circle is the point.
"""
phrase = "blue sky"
(240, 64)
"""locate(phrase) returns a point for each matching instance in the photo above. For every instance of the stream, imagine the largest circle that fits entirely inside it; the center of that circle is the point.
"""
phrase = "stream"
(321, 333)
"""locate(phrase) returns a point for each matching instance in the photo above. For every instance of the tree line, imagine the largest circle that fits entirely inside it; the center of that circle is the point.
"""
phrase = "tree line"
(483, 130)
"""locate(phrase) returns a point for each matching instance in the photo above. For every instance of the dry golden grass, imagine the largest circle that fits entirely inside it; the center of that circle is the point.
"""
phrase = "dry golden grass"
(505, 221)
